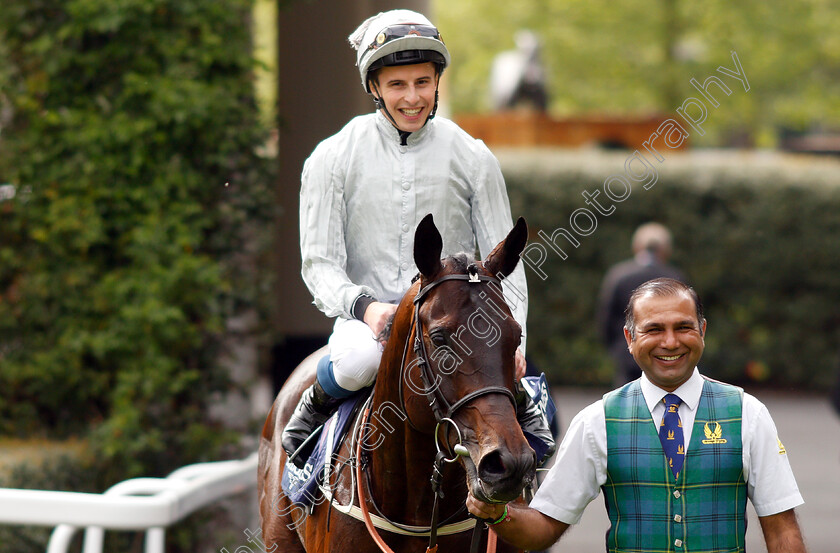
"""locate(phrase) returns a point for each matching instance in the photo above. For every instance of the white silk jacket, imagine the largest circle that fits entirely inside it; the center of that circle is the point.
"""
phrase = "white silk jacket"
(363, 194)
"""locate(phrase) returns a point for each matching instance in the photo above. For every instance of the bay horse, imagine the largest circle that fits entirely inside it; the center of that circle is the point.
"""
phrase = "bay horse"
(441, 418)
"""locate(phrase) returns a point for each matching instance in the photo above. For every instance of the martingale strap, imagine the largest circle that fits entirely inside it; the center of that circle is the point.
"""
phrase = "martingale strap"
(380, 522)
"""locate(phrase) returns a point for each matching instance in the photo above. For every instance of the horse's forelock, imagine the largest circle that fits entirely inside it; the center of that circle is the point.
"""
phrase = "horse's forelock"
(461, 262)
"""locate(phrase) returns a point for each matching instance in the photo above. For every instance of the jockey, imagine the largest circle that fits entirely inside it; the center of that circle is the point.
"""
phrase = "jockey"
(363, 192)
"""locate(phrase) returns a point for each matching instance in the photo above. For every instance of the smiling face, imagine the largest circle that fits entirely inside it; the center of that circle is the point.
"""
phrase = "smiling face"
(408, 92)
(668, 340)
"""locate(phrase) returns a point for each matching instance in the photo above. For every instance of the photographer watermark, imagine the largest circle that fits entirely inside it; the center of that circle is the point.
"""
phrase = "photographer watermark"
(255, 539)
(482, 323)
(638, 169)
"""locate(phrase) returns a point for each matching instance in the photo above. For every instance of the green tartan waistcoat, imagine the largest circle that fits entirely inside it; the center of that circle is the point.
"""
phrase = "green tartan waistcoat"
(651, 511)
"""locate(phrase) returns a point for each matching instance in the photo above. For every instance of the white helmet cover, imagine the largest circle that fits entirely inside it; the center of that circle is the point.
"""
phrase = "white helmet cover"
(373, 43)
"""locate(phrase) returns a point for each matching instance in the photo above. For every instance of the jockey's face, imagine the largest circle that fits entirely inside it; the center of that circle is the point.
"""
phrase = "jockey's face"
(408, 92)
(669, 338)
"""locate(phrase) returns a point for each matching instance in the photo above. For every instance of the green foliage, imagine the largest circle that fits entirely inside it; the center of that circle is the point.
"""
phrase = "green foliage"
(132, 145)
(620, 57)
(756, 235)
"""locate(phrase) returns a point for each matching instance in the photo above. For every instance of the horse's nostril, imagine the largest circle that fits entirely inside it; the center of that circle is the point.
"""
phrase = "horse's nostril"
(500, 466)
(492, 467)
(502, 475)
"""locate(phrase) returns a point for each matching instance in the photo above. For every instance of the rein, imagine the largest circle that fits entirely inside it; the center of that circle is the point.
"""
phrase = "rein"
(443, 411)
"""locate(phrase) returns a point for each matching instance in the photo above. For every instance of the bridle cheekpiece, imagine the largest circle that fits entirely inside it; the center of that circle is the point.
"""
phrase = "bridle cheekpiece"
(441, 407)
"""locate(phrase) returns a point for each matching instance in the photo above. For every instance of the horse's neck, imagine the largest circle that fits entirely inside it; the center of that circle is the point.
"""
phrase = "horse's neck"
(401, 463)
(403, 457)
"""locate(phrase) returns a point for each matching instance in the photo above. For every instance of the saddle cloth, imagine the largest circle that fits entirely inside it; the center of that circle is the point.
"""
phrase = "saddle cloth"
(301, 485)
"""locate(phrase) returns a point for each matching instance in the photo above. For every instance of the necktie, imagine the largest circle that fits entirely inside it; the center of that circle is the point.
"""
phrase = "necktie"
(671, 434)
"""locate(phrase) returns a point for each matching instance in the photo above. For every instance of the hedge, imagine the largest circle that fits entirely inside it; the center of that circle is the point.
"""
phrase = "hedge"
(131, 143)
(756, 233)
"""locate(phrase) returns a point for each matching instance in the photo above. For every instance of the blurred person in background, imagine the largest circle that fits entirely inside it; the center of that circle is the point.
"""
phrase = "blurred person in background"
(518, 77)
(652, 246)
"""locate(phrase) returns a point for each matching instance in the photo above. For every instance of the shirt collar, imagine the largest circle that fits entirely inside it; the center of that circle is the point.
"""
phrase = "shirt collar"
(689, 391)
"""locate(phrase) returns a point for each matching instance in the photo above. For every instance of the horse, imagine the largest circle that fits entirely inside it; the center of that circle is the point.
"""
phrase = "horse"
(441, 420)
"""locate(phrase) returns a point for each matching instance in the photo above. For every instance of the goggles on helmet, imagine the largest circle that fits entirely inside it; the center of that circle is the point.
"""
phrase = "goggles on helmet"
(408, 57)
(401, 31)
(397, 37)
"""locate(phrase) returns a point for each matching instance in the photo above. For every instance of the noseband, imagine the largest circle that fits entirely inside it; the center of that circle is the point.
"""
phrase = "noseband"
(440, 406)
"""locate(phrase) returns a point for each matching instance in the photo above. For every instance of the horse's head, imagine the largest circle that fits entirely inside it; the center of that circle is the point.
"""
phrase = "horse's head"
(465, 362)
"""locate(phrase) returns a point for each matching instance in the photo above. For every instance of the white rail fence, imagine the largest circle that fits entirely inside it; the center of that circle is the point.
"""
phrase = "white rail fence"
(150, 504)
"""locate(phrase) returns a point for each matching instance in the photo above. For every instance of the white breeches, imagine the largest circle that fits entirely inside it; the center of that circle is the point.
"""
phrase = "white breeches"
(355, 354)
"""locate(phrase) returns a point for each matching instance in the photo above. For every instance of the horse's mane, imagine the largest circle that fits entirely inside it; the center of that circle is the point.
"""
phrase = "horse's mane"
(461, 263)
(386, 330)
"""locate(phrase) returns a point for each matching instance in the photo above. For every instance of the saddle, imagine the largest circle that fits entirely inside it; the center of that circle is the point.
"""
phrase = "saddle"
(537, 389)
(301, 485)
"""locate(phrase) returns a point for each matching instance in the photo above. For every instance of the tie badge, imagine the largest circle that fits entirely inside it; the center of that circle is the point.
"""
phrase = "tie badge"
(713, 436)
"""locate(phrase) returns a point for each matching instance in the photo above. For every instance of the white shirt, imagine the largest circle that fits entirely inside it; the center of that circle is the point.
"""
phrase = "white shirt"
(580, 466)
(363, 195)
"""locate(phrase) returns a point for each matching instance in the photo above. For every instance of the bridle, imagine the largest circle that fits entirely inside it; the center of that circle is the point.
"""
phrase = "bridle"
(443, 411)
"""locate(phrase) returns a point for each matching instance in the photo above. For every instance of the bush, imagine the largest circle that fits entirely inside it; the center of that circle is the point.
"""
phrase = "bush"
(132, 146)
(755, 233)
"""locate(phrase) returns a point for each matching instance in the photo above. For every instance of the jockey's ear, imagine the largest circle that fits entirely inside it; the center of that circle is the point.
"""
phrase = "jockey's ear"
(504, 257)
(427, 247)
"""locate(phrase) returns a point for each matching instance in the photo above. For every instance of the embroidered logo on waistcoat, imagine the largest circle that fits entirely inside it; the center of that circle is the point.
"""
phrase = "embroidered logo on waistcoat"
(713, 436)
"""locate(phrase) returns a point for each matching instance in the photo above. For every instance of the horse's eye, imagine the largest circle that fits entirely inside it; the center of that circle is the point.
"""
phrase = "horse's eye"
(438, 338)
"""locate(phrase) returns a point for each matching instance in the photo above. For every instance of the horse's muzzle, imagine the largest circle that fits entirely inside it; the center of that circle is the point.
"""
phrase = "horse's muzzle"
(501, 476)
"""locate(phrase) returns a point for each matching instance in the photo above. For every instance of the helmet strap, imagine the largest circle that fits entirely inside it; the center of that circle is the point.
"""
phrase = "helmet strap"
(434, 109)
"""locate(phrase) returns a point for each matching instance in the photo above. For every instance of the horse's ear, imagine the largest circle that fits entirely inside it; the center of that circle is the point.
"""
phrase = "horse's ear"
(504, 257)
(427, 247)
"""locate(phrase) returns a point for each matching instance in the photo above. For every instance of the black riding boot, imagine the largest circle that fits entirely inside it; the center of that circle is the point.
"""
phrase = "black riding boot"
(313, 410)
(533, 422)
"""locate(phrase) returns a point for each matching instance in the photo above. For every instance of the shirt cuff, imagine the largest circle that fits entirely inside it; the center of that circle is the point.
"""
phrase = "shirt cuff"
(360, 305)
(792, 501)
(555, 512)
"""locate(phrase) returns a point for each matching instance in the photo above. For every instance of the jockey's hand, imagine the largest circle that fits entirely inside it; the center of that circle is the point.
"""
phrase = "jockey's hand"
(377, 315)
(519, 359)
